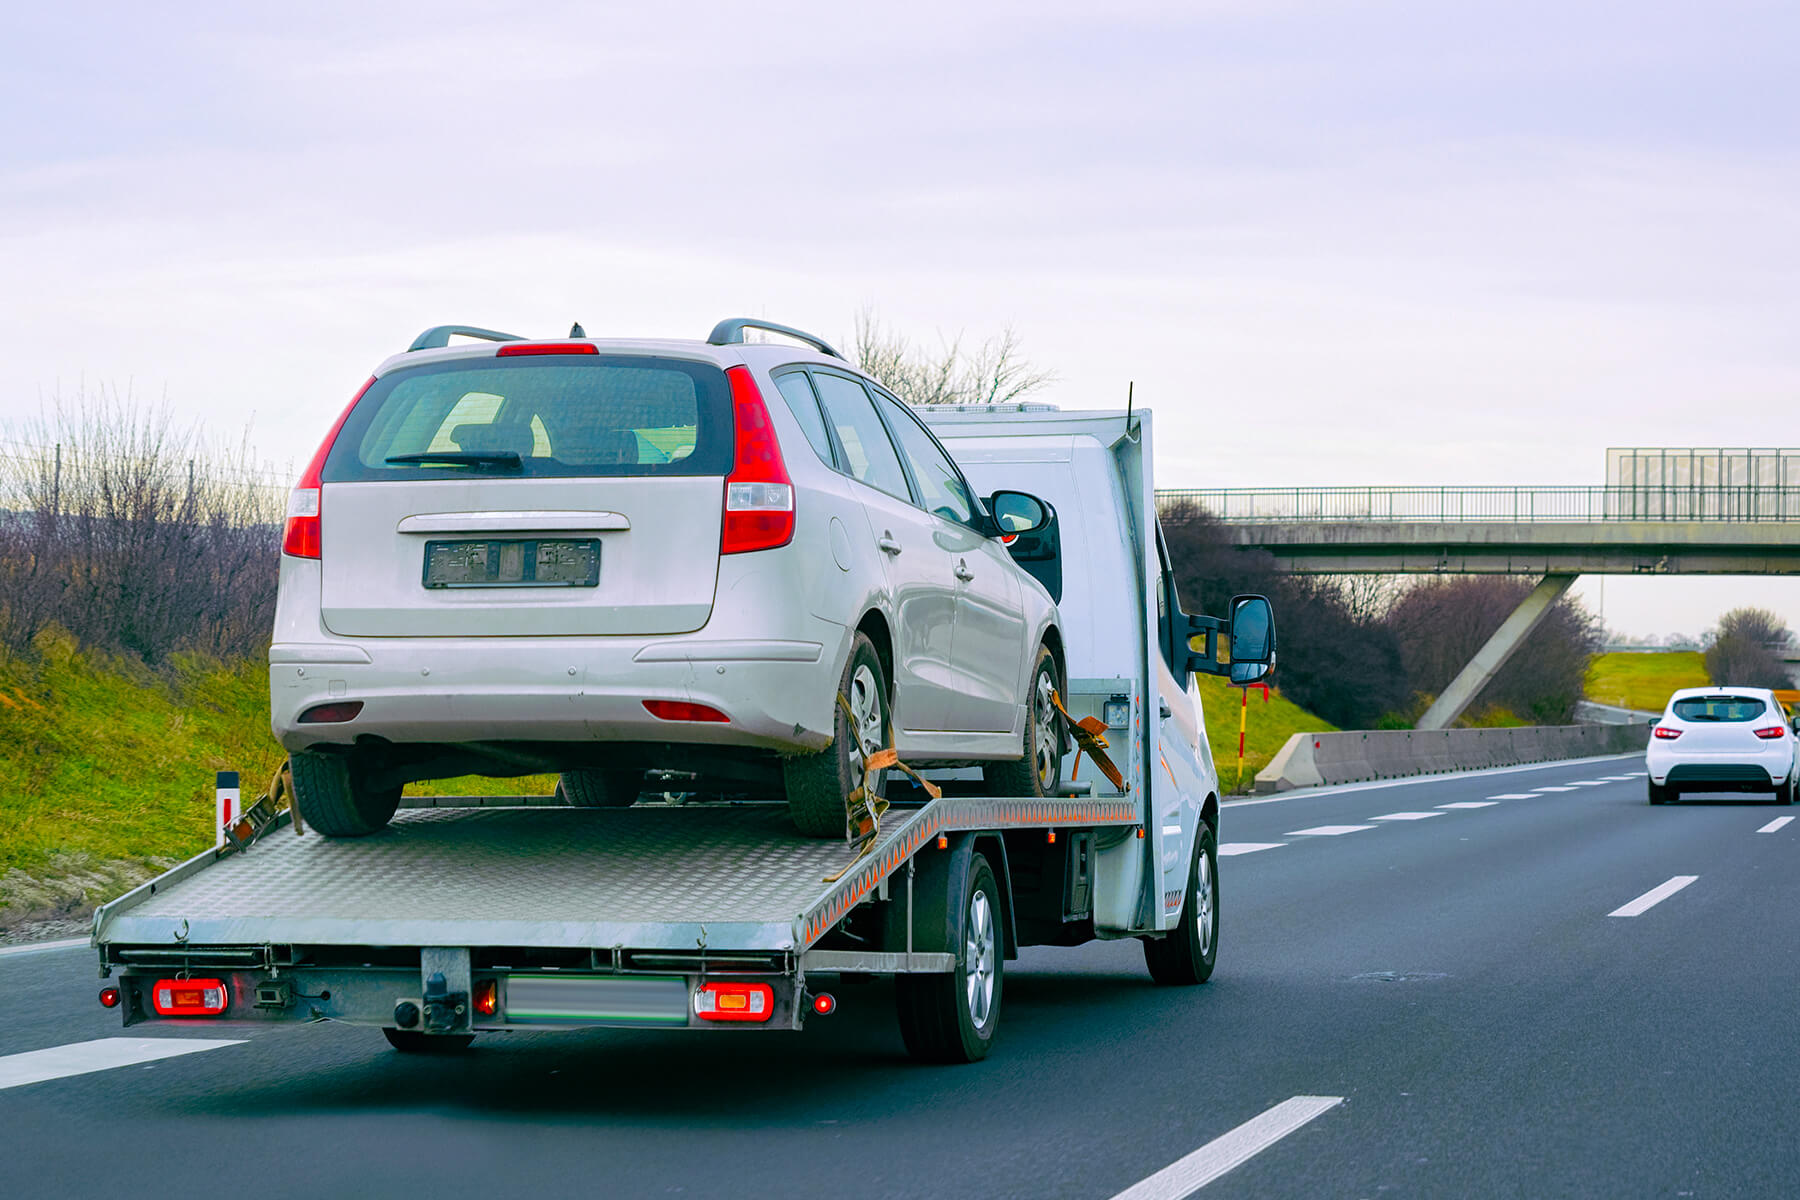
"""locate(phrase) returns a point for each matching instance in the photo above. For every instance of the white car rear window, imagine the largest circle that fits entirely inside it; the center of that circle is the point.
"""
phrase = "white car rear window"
(1720, 708)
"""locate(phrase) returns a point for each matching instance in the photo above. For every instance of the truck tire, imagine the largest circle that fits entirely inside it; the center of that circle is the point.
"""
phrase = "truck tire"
(1185, 955)
(953, 1018)
(411, 1041)
(333, 798)
(1038, 772)
(1658, 793)
(818, 784)
(609, 788)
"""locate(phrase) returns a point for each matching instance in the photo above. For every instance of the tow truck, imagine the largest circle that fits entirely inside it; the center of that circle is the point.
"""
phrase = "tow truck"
(479, 915)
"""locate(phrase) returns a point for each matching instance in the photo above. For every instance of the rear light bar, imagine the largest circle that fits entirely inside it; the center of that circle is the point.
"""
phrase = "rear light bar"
(1772, 732)
(734, 1002)
(684, 710)
(300, 536)
(332, 714)
(1665, 733)
(190, 997)
(759, 496)
(521, 349)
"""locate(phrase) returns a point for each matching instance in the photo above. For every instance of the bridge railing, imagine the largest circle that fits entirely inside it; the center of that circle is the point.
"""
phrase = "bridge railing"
(1456, 504)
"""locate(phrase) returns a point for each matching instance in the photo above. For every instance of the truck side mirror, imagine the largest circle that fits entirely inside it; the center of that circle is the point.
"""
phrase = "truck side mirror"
(1018, 512)
(1250, 635)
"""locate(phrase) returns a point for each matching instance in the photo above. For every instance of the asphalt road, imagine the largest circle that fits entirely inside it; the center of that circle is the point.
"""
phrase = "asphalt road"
(1456, 979)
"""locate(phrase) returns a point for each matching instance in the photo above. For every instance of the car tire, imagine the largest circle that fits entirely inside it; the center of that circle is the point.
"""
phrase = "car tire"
(1658, 793)
(819, 784)
(1186, 955)
(609, 788)
(1038, 772)
(1784, 795)
(334, 799)
(952, 1018)
(411, 1041)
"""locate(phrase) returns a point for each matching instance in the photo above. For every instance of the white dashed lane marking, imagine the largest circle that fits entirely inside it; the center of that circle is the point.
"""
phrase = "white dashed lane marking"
(1470, 804)
(1588, 782)
(1653, 897)
(1774, 825)
(1406, 816)
(1515, 796)
(1187, 1175)
(1329, 830)
(1231, 848)
(1552, 789)
(79, 1058)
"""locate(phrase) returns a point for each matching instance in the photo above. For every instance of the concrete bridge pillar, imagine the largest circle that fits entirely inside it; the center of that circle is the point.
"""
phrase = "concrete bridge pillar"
(1490, 658)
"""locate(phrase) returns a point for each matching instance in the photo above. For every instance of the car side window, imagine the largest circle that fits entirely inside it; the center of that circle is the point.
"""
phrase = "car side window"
(868, 454)
(941, 487)
(798, 393)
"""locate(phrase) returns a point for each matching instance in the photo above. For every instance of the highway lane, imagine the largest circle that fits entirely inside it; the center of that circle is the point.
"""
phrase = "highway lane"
(1454, 978)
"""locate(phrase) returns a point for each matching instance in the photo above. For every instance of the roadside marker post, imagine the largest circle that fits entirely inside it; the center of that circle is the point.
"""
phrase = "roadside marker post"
(1243, 725)
(227, 799)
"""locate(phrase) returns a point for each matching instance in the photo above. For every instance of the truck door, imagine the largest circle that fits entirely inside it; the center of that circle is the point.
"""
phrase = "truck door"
(1182, 776)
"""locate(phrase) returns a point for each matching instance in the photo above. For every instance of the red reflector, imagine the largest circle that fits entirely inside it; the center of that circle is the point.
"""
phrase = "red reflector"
(682, 710)
(1772, 732)
(1665, 733)
(824, 1004)
(759, 496)
(109, 997)
(189, 997)
(517, 349)
(331, 714)
(300, 536)
(734, 1002)
(487, 997)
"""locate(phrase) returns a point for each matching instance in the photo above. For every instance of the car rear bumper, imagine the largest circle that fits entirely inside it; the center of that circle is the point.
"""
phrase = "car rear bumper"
(1756, 772)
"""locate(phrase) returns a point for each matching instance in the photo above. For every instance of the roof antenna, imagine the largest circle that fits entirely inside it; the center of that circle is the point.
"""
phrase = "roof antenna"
(1130, 396)
(576, 330)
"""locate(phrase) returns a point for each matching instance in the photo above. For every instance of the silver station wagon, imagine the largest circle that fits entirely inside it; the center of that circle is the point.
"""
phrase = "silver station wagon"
(741, 567)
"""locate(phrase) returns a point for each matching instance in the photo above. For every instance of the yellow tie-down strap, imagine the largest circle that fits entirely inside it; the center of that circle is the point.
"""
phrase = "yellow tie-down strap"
(1090, 736)
(863, 808)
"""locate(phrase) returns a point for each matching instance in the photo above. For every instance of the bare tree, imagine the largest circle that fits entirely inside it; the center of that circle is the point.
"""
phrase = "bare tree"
(1747, 648)
(996, 372)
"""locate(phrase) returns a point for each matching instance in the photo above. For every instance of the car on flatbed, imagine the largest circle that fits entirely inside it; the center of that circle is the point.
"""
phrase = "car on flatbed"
(1722, 739)
(743, 567)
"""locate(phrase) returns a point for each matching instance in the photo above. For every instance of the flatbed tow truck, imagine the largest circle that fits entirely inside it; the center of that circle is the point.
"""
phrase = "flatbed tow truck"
(483, 914)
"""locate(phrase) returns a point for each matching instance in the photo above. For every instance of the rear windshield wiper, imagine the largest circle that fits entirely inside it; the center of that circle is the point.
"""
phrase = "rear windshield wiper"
(478, 459)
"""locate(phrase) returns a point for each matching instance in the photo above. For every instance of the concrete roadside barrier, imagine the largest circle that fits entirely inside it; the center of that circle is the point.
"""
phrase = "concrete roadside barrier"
(1352, 756)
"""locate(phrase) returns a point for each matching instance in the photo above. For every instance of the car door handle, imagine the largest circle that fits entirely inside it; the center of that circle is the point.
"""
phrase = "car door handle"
(1166, 713)
(888, 544)
(962, 571)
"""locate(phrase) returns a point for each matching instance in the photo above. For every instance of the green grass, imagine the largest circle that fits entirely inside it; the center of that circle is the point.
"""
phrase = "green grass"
(1269, 725)
(1644, 681)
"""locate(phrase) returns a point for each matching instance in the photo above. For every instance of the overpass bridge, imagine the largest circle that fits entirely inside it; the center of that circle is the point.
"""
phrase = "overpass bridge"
(1554, 533)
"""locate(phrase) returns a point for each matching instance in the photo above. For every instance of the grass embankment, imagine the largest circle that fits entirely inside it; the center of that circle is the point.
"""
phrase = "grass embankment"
(1270, 726)
(1644, 681)
(106, 770)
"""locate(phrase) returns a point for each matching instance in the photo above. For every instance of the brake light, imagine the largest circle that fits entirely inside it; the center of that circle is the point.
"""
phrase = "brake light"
(331, 714)
(487, 997)
(1772, 732)
(759, 496)
(519, 349)
(734, 1002)
(1665, 733)
(684, 710)
(189, 997)
(109, 997)
(300, 536)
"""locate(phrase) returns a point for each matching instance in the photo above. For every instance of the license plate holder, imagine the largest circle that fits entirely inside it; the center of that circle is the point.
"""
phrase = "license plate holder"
(512, 563)
(590, 1000)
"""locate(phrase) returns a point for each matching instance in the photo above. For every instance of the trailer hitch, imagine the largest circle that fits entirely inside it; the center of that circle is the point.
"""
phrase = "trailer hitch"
(445, 1010)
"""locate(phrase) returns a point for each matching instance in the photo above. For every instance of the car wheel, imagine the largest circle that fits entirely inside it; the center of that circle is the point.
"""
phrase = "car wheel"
(819, 785)
(335, 799)
(1186, 954)
(1038, 772)
(610, 788)
(1658, 793)
(952, 1018)
(1785, 793)
(411, 1041)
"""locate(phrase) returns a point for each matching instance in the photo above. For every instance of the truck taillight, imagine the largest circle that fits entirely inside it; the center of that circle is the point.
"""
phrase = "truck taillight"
(759, 496)
(1665, 733)
(1772, 732)
(189, 997)
(300, 535)
(734, 1001)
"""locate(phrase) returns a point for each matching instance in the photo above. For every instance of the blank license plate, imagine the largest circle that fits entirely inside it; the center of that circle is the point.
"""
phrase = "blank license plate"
(555, 1000)
(513, 562)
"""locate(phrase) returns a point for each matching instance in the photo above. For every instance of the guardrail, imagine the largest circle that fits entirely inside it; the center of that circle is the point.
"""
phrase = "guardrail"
(1352, 756)
(1464, 504)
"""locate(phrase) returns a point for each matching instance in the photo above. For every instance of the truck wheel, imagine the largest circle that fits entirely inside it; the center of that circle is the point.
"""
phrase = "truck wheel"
(334, 799)
(1658, 793)
(1186, 954)
(411, 1041)
(953, 1018)
(819, 784)
(1038, 772)
(610, 788)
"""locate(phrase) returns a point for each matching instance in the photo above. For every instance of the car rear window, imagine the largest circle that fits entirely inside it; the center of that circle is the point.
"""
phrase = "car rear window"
(561, 416)
(1719, 708)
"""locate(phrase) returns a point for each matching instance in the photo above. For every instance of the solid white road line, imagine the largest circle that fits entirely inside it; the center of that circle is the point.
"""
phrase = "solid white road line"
(1515, 796)
(1552, 789)
(43, 947)
(1406, 816)
(1231, 848)
(1777, 823)
(79, 1058)
(1469, 804)
(1653, 897)
(1185, 1176)
(1329, 830)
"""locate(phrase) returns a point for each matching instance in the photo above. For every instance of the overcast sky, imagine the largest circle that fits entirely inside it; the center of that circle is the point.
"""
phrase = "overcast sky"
(1359, 243)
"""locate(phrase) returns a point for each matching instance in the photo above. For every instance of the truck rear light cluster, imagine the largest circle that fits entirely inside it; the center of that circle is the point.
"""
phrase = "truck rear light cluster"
(300, 536)
(1665, 733)
(1772, 732)
(684, 710)
(734, 1001)
(189, 997)
(759, 496)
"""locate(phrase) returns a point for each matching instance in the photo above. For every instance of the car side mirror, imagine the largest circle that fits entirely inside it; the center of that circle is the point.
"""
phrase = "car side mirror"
(1018, 512)
(1250, 637)
(1655, 720)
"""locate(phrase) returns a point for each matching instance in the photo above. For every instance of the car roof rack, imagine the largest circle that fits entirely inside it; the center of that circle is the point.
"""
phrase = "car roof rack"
(438, 336)
(730, 332)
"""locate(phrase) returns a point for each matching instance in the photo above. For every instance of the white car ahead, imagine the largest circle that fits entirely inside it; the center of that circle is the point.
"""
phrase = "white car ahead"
(744, 566)
(1722, 739)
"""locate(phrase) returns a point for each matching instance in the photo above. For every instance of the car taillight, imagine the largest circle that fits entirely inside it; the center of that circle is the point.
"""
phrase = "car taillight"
(1665, 733)
(189, 997)
(734, 1001)
(1772, 732)
(300, 536)
(759, 496)
(684, 710)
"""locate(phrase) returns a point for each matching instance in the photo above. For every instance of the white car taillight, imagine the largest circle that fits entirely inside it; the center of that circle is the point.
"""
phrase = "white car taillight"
(300, 536)
(759, 496)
